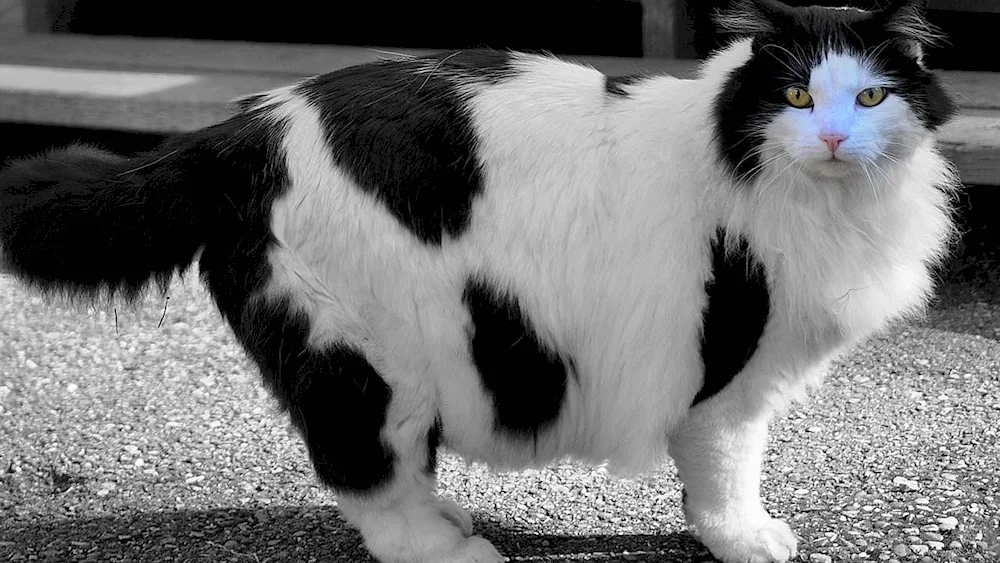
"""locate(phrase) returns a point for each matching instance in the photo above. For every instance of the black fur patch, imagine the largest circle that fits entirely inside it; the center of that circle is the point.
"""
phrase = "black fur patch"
(403, 131)
(334, 397)
(488, 65)
(526, 379)
(785, 56)
(616, 86)
(738, 307)
(247, 103)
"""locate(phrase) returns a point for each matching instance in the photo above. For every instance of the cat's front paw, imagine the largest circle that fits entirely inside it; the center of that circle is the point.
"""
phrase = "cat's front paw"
(765, 540)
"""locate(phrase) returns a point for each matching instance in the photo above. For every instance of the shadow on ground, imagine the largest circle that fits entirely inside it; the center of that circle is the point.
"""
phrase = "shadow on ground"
(277, 534)
(262, 535)
(521, 544)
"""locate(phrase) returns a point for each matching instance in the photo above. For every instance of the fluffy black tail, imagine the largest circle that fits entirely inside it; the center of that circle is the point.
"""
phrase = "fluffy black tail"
(80, 220)
(83, 221)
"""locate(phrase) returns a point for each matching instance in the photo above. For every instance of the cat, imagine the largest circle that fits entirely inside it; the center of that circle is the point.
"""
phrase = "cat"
(522, 259)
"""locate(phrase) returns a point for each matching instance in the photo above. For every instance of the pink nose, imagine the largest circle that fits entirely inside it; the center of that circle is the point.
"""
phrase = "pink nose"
(832, 140)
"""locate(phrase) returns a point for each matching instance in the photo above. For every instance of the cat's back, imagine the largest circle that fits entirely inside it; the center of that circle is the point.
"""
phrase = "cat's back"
(447, 91)
(424, 135)
(445, 107)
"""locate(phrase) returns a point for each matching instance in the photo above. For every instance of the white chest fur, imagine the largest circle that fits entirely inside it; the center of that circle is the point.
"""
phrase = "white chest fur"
(847, 256)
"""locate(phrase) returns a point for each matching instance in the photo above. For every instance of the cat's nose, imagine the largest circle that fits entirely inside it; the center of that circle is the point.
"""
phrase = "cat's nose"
(832, 140)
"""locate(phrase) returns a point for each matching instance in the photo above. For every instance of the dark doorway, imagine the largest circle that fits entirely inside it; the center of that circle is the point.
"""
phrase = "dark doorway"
(594, 27)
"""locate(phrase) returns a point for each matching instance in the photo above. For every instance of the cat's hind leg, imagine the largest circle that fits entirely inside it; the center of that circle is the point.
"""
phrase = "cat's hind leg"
(404, 521)
(375, 445)
(408, 523)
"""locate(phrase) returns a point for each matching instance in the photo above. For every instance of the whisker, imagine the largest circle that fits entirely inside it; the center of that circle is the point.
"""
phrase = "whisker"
(761, 165)
(795, 59)
(871, 185)
(775, 177)
(879, 169)
(876, 51)
(896, 143)
(889, 157)
(756, 151)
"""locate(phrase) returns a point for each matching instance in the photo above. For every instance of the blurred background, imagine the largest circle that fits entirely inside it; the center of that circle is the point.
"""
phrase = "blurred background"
(588, 27)
(671, 29)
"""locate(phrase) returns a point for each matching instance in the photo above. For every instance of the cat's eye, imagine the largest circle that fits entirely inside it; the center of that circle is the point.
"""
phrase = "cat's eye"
(870, 97)
(798, 97)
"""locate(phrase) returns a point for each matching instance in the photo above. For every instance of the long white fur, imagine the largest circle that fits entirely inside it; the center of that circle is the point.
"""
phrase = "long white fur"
(597, 214)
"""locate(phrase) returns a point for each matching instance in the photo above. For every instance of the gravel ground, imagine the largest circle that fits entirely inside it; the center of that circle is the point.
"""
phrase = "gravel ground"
(124, 439)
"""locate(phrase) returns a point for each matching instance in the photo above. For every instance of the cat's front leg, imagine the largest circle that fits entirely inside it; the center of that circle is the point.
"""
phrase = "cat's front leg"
(718, 451)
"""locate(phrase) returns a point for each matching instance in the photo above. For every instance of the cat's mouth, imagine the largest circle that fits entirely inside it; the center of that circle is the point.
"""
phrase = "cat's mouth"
(834, 167)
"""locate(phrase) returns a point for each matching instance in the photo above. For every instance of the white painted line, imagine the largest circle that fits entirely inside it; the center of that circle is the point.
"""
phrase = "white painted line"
(96, 83)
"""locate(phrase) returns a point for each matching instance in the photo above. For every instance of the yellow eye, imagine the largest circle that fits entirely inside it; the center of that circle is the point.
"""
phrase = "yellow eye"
(870, 97)
(798, 97)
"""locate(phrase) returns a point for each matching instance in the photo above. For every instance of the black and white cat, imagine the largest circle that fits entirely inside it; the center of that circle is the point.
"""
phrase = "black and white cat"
(523, 259)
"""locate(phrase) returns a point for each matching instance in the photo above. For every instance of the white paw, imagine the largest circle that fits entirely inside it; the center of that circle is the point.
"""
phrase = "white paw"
(475, 550)
(770, 541)
(455, 514)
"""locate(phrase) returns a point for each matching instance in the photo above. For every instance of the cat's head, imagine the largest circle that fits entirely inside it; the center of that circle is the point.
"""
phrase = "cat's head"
(833, 91)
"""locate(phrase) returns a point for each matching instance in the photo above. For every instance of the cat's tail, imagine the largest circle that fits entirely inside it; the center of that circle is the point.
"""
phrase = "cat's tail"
(84, 222)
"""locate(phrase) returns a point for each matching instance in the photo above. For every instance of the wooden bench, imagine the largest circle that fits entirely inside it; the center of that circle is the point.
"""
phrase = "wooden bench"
(169, 85)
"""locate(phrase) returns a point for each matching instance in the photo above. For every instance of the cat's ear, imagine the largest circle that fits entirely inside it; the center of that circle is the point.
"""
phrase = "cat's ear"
(907, 19)
(749, 18)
